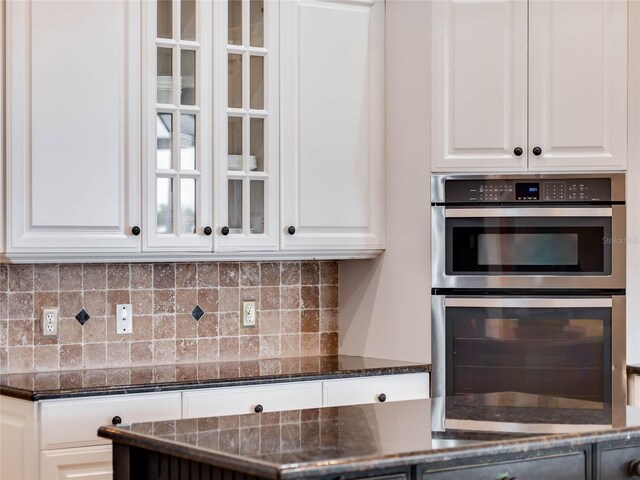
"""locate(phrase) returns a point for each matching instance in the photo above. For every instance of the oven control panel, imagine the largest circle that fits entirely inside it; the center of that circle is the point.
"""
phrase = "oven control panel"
(528, 190)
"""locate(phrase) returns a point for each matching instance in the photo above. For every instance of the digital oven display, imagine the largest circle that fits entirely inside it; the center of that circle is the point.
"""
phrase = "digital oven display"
(527, 191)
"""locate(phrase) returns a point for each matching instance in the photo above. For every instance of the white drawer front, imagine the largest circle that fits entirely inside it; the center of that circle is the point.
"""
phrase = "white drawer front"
(83, 463)
(239, 400)
(351, 391)
(75, 422)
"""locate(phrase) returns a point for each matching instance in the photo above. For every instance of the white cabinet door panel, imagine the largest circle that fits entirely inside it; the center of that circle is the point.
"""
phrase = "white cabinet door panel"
(84, 463)
(241, 400)
(410, 386)
(479, 90)
(75, 422)
(73, 115)
(332, 188)
(578, 85)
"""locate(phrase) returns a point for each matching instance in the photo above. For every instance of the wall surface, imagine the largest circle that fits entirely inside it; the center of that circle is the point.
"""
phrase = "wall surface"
(384, 303)
(633, 190)
(296, 302)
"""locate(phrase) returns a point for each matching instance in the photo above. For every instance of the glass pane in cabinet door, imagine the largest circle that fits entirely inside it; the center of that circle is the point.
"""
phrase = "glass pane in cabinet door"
(188, 19)
(256, 16)
(235, 206)
(235, 81)
(164, 76)
(256, 78)
(188, 66)
(188, 205)
(235, 22)
(256, 147)
(164, 19)
(164, 205)
(256, 219)
(235, 143)
(164, 140)
(187, 142)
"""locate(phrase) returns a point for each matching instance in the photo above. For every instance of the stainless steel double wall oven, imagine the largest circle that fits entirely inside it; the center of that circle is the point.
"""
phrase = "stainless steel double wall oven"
(528, 284)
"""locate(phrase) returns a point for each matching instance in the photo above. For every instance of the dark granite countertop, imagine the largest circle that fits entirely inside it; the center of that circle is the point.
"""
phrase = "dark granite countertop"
(633, 369)
(356, 439)
(81, 383)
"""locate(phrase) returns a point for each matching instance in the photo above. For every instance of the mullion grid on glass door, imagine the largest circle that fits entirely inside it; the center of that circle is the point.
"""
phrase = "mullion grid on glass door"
(247, 174)
(180, 176)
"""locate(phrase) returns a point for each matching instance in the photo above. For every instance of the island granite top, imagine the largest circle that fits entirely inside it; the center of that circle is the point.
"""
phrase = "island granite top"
(81, 383)
(359, 438)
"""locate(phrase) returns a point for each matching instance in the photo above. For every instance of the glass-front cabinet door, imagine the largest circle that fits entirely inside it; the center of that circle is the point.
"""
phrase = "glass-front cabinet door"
(246, 127)
(178, 149)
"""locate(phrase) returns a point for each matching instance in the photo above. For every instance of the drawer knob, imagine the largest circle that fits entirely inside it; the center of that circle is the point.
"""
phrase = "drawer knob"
(291, 230)
(207, 230)
(258, 408)
(224, 230)
(517, 151)
(382, 398)
(116, 420)
(135, 230)
(634, 468)
(537, 151)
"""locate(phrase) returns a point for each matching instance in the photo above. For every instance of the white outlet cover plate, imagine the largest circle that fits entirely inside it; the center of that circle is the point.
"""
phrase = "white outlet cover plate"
(50, 321)
(124, 321)
(249, 313)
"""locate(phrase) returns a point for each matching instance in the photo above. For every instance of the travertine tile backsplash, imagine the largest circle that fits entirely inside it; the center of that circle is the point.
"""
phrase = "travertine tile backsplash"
(297, 305)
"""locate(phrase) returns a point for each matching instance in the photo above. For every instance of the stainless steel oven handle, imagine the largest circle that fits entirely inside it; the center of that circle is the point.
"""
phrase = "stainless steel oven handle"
(527, 212)
(527, 302)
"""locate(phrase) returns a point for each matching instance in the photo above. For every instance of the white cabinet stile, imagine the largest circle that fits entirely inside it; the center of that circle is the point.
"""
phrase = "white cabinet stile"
(73, 109)
(332, 134)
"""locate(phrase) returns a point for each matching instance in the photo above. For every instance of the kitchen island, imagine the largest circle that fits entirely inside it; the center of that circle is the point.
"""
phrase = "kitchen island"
(393, 441)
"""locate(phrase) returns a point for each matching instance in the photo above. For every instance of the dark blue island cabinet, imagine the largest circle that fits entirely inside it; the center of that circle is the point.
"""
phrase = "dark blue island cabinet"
(377, 442)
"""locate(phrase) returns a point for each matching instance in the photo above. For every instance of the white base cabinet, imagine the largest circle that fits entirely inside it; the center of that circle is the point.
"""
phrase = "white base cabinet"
(94, 463)
(57, 439)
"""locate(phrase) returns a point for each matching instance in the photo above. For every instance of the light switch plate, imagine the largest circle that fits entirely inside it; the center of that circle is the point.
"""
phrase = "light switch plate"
(124, 322)
(249, 313)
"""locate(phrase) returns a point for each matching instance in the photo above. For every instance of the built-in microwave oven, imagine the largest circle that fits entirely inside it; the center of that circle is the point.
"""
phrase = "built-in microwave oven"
(528, 232)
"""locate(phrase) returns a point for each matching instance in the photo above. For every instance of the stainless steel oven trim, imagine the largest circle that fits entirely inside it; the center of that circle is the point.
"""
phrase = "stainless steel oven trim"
(454, 212)
(617, 181)
(528, 302)
(617, 279)
(618, 338)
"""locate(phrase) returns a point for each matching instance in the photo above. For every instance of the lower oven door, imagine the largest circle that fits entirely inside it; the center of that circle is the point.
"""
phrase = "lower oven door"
(565, 347)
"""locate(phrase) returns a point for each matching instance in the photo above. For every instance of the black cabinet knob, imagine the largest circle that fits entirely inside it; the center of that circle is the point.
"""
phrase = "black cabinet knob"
(634, 468)
(382, 398)
(135, 230)
(517, 151)
(224, 230)
(116, 420)
(537, 151)
(207, 230)
(258, 408)
(291, 230)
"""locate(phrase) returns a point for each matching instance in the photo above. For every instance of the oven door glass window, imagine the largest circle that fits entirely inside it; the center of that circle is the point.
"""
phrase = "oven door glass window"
(528, 246)
(558, 352)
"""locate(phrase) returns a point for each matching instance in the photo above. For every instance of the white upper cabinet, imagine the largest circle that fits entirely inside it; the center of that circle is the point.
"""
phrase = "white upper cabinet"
(246, 134)
(538, 85)
(479, 106)
(177, 126)
(332, 138)
(72, 98)
(578, 85)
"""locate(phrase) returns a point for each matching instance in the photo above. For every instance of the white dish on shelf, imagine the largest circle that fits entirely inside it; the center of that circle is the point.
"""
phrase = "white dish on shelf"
(235, 162)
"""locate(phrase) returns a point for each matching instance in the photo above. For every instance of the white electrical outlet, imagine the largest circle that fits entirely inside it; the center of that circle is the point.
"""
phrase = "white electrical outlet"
(50, 321)
(124, 322)
(249, 313)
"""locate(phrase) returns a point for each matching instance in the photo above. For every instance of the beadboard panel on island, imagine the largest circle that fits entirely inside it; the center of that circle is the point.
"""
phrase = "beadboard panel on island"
(296, 302)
